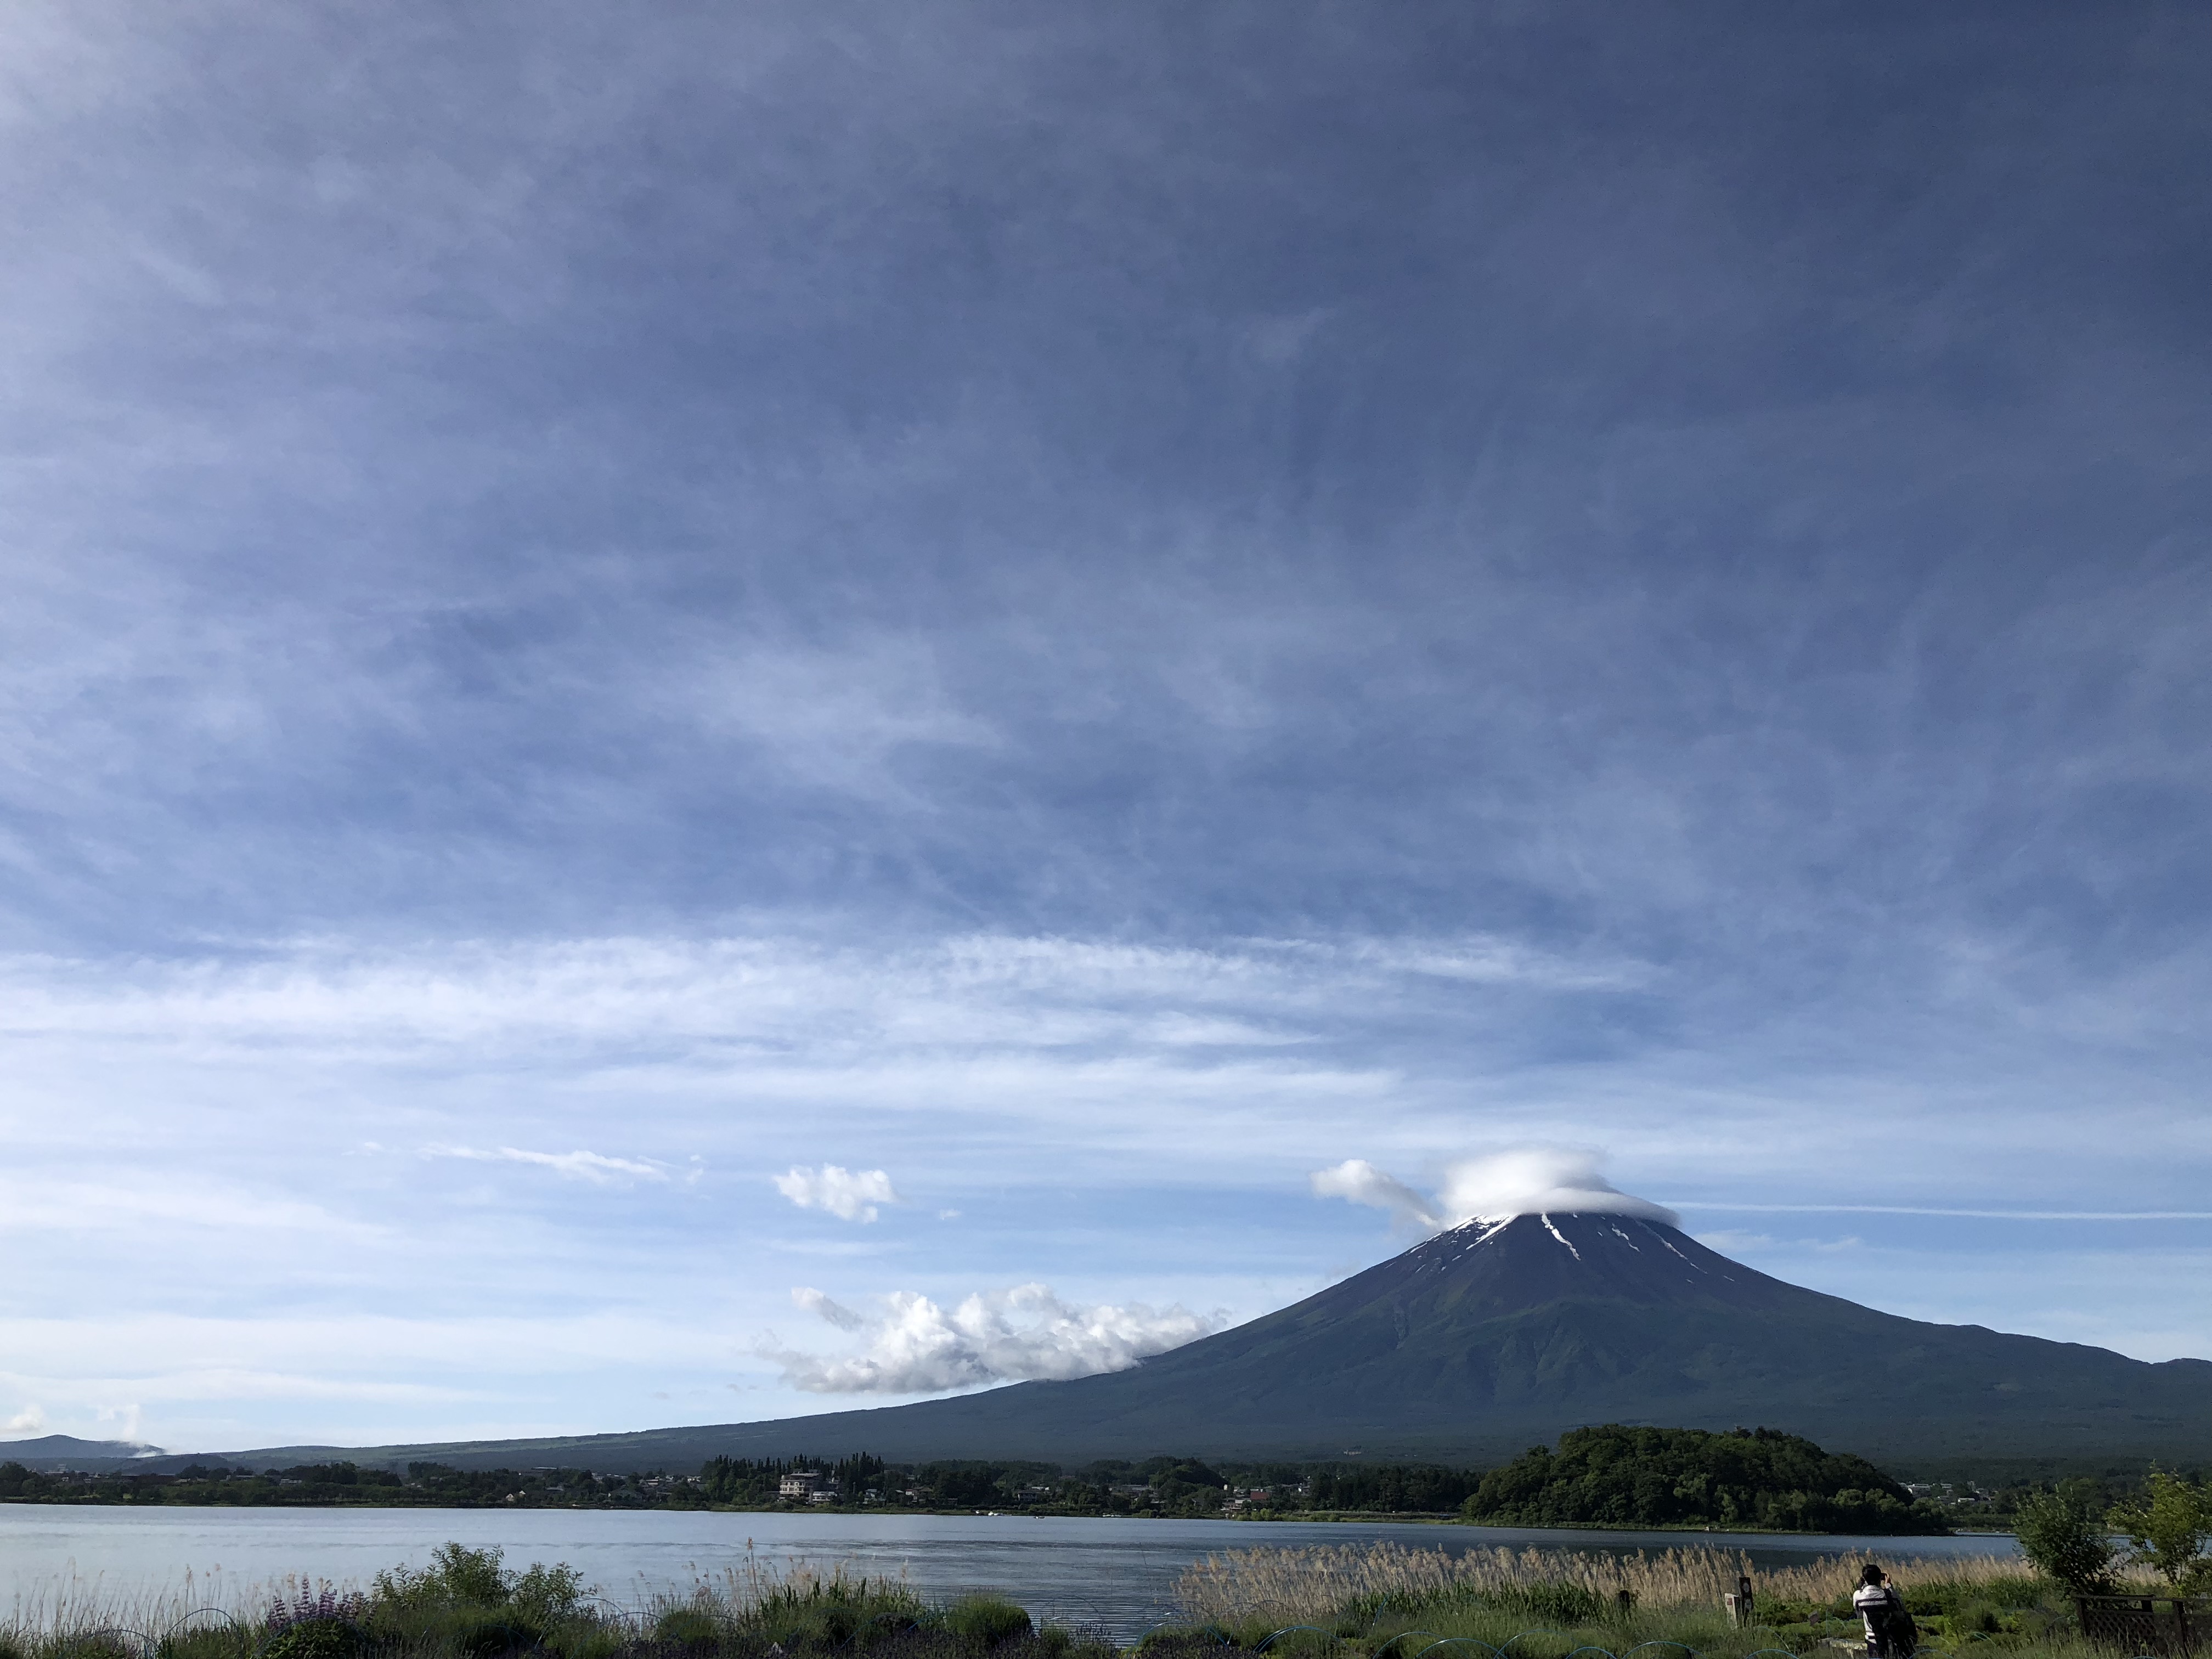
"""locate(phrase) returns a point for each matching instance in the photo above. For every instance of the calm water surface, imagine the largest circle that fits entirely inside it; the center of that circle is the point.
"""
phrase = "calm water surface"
(1112, 1571)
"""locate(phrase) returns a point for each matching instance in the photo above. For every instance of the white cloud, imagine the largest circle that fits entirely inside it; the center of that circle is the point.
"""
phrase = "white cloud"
(1526, 1180)
(850, 1193)
(128, 1420)
(581, 1165)
(815, 1303)
(916, 1346)
(29, 1420)
(1538, 1180)
(1358, 1181)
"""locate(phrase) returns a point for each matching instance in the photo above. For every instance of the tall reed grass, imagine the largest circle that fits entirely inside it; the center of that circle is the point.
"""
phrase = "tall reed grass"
(1388, 1601)
(1313, 1584)
(76, 1605)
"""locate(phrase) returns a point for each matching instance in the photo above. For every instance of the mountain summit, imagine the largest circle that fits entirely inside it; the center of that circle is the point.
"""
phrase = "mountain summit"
(51, 1452)
(1497, 1333)
(1476, 1343)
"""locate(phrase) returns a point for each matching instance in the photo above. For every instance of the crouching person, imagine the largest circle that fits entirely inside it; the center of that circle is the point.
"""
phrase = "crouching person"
(1890, 1631)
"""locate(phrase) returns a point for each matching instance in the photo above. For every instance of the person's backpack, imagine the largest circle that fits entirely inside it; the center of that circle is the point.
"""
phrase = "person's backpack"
(1899, 1635)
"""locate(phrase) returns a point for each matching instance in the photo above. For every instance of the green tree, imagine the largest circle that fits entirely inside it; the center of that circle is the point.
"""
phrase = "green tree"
(457, 1575)
(2167, 1526)
(1615, 1475)
(2065, 1539)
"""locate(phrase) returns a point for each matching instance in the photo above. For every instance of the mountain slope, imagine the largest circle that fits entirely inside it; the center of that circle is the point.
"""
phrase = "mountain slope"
(51, 1452)
(1474, 1343)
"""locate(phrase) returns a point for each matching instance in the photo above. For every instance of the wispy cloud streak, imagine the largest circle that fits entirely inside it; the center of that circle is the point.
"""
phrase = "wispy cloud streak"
(595, 1167)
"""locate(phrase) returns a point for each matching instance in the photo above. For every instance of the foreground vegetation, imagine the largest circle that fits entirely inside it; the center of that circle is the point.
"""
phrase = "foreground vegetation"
(1382, 1603)
(467, 1605)
(1389, 1602)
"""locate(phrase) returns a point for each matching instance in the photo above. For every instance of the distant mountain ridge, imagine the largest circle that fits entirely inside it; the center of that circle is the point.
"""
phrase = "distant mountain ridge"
(1480, 1341)
(51, 1452)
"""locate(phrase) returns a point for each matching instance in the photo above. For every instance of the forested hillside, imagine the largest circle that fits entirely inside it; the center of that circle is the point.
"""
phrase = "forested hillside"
(1625, 1477)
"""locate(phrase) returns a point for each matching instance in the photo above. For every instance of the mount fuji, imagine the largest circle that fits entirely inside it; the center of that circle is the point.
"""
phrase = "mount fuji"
(1484, 1339)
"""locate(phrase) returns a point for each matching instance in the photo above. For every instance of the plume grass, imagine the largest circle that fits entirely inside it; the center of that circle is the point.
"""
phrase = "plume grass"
(1318, 1581)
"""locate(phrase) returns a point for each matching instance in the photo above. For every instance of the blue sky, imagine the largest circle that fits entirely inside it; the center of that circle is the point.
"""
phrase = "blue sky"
(1078, 616)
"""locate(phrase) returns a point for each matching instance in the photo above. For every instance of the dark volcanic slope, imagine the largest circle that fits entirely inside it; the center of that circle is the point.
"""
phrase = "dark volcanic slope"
(1481, 1340)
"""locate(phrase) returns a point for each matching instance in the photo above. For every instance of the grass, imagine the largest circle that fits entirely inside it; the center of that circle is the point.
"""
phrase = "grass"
(1390, 1602)
(467, 1606)
(1381, 1602)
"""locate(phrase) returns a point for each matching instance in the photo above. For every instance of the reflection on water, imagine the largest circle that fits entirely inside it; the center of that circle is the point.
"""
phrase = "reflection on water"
(1112, 1571)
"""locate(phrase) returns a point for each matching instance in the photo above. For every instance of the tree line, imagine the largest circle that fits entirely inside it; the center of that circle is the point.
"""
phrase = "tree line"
(344, 1484)
(1747, 1478)
(1158, 1486)
(1609, 1476)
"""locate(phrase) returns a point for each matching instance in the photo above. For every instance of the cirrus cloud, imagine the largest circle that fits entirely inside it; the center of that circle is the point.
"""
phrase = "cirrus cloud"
(595, 1167)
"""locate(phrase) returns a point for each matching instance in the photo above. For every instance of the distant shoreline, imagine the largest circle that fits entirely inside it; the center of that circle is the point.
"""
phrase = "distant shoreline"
(1391, 1518)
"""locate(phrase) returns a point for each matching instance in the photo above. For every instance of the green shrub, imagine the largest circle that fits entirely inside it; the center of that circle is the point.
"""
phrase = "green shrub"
(2066, 1540)
(224, 1641)
(2014, 1591)
(92, 1644)
(2167, 1527)
(314, 1638)
(1058, 1642)
(1559, 1603)
(1796, 1636)
(586, 1639)
(831, 1613)
(981, 1622)
(1977, 1619)
(692, 1629)
(1172, 1641)
(487, 1638)
(457, 1575)
(1936, 1598)
(546, 1594)
(1779, 1611)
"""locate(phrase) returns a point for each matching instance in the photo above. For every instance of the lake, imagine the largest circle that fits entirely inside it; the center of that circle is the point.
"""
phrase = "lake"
(1114, 1572)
